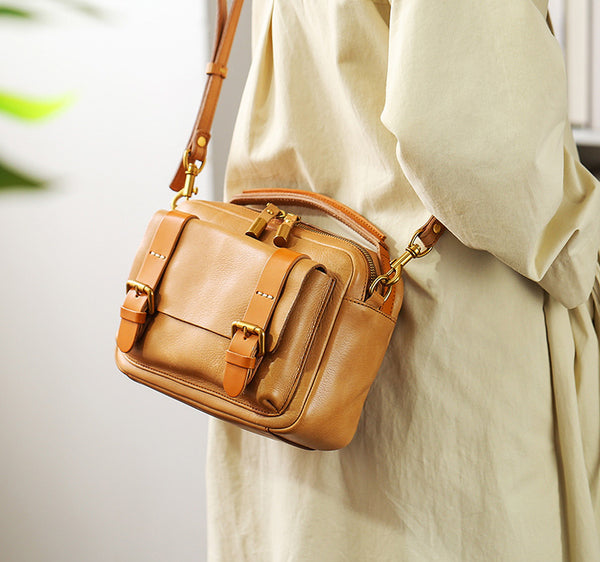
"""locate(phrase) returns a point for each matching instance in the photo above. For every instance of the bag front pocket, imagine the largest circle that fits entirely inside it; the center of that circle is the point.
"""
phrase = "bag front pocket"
(206, 288)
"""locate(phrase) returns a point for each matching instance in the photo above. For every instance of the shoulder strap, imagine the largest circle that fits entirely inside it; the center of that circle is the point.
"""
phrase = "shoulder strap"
(217, 71)
(226, 25)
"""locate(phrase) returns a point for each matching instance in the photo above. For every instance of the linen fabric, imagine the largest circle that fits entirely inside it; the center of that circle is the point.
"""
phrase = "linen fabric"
(480, 438)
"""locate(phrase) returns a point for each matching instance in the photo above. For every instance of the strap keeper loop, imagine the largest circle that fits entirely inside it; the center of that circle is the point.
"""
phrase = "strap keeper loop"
(240, 360)
(216, 69)
(133, 315)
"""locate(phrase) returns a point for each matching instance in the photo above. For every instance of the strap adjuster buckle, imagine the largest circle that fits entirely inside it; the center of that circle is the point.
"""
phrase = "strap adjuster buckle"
(251, 329)
(145, 289)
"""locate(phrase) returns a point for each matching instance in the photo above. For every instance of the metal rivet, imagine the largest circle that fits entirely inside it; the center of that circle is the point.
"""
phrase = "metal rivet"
(436, 228)
(201, 142)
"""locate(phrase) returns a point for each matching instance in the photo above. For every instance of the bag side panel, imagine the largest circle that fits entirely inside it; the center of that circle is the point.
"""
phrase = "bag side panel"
(350, 364)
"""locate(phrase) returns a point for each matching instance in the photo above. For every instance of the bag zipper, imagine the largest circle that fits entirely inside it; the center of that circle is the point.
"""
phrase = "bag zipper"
(370, 262)
(297, 224)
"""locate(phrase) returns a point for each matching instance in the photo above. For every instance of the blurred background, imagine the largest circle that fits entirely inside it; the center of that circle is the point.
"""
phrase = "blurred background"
(97, 99)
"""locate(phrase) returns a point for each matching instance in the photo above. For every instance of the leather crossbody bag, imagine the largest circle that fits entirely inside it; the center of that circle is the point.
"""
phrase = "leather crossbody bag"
(253, 315)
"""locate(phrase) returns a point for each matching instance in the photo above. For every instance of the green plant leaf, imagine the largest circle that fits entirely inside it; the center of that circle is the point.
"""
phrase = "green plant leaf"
(84, 8)
(33, 109)
(10, 178)
(10, 12)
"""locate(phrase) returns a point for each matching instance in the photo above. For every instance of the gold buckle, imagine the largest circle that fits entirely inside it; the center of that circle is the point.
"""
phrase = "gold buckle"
(141, 288)
(252, 329)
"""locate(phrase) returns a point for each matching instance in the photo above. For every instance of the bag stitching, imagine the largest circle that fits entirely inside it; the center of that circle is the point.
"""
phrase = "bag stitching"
(310, 341)
(373, 309)
(192, 385)
(225, 397)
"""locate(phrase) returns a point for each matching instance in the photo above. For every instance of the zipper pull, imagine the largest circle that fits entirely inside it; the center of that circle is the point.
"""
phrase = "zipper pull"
(261, 221)
(283, 232)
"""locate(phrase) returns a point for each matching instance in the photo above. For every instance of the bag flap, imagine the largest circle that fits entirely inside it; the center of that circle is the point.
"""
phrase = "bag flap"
(213, 274)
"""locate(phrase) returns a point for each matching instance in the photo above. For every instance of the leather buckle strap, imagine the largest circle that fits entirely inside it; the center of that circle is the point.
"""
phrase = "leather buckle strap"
(140, 298)
(217, 70)
(248, 340)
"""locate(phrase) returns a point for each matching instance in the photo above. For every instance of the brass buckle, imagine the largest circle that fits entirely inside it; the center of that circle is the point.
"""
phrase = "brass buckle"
(252, 329)
(145, 289)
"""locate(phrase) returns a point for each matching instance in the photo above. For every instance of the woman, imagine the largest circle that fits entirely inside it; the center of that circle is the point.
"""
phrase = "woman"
(480, 439)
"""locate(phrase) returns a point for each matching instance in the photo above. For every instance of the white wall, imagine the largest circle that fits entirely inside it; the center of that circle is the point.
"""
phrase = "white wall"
(94, 467)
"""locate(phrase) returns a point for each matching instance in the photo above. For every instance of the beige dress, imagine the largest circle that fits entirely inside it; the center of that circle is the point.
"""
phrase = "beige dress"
(480, 439)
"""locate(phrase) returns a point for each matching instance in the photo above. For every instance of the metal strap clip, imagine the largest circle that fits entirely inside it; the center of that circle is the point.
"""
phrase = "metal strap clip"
(389, 279)
(191, 171)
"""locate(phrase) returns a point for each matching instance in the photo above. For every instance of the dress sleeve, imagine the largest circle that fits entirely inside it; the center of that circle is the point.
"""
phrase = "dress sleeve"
(476, 98)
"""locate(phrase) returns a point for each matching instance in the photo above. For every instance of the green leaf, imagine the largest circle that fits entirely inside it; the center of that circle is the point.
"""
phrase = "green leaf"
(33, 109)
(82, 7)
(10, 12)
(12, 178)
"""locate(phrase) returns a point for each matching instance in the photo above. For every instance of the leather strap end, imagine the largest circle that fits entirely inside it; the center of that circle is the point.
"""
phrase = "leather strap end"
(178, 180)
(240, 365)
(199, 145)
(235, 380)
(131, 327)
(432, 231)
(127, 334)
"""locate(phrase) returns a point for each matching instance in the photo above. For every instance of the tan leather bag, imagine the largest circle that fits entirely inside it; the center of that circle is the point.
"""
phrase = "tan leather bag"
(249, 313)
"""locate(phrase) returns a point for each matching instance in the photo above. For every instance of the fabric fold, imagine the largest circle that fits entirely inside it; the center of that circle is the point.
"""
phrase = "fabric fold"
(480, 122)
